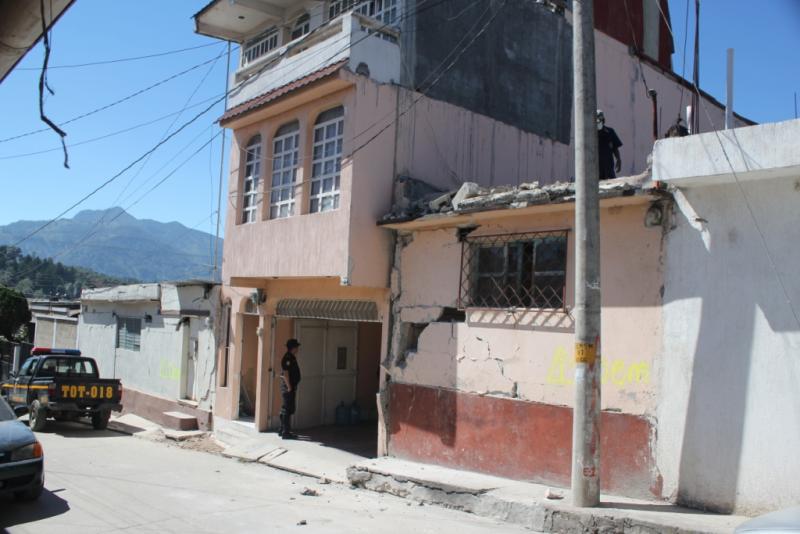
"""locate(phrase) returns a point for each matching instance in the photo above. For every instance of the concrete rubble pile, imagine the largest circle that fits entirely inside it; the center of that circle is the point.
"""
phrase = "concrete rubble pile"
(413, 201)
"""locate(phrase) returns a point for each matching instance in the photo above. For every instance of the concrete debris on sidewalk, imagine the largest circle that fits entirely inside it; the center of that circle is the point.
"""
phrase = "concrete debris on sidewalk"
(517, 502)
(308, 492)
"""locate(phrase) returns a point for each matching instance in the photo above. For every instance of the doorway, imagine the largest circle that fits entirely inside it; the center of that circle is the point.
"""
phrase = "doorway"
(329, 365)
(249, 368)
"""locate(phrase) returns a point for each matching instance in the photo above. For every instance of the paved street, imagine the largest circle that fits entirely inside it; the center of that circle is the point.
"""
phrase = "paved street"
(107, 482)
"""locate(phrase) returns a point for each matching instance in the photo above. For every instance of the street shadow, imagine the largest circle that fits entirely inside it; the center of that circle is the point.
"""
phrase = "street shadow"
(14, 512)
(77, 429)
(360, 439)
(655, 507)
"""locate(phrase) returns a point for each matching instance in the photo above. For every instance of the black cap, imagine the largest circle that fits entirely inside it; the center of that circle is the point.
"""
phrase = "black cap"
(292, 343)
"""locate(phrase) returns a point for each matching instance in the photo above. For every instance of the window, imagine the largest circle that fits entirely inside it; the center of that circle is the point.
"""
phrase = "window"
(129, 333)
(514, 271)
(301, 26)
(326, 162)
(60, 367)
(252, 172)
(28, 366)
(384, 10)
(259, 46)
(285, 155)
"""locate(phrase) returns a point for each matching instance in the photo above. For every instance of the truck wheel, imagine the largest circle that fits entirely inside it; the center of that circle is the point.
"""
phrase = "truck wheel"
(100, 420)
(37, 416)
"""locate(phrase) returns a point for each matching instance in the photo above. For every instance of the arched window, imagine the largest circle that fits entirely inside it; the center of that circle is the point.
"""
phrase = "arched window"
(301, 26)
(252, 173)
(285, 154)
(326, 162)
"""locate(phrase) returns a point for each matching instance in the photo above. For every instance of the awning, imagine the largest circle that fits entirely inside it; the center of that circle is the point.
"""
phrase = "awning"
(334, 310)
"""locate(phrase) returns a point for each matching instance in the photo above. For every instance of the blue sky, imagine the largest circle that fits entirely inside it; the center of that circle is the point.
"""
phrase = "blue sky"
(765, 34)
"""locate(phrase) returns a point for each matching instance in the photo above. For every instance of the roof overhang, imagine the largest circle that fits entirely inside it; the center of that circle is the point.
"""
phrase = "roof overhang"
(21, 28)
(478, 217)
(237, 20)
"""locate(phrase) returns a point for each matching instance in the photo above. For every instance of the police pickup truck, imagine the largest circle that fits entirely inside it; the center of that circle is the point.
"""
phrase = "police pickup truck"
(62, 384)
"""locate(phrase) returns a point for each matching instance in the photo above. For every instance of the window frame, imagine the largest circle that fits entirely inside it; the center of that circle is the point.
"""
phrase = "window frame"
(250, 180)
(319, 175)
(136, 341)
(259, 46)
(376, 9)
(517, 287)
(291, 131)
(301, 27)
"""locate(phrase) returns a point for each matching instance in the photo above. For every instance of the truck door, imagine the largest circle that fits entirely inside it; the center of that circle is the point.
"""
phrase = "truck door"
(19, 395)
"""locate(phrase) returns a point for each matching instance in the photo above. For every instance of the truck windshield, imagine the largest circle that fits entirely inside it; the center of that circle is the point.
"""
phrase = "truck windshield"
(68, 367)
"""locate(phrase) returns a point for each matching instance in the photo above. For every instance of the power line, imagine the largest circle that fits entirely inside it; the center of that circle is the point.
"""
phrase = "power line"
(159, 144)
(746, 200)
(105, 136)
(116, 102)
(125, 59)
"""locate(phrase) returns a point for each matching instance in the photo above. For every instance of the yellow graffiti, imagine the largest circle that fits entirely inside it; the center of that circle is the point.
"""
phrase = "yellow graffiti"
(615, 371)
(167, 371)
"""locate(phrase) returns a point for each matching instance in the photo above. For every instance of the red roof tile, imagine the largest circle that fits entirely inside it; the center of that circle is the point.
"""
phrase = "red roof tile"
(266, 98)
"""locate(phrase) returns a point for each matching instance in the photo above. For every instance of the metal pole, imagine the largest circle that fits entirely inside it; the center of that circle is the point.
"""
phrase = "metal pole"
(221, 169)
(586, 414)
(729, 98)
(696, 73)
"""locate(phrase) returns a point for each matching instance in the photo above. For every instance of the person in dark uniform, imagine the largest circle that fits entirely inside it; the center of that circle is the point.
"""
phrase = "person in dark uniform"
(290, 378)
(607, 149)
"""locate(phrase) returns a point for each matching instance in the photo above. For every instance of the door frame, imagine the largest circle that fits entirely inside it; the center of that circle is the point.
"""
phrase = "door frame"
(325, 327)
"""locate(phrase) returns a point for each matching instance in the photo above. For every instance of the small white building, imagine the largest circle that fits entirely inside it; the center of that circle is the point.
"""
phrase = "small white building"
(55, 323)
(728, 423)
(159, 339)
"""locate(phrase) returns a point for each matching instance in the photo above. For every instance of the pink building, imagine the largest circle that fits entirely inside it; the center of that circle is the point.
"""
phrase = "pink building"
(338, 109)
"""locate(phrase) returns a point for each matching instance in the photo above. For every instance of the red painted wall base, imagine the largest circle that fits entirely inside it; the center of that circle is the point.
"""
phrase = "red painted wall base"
(516, 439)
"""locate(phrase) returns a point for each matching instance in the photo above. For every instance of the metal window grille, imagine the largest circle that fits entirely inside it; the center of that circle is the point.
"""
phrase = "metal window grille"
(260, 46)
(326, 163)
(285, 155)
(129, 333)
(527, 271)
(252, 172)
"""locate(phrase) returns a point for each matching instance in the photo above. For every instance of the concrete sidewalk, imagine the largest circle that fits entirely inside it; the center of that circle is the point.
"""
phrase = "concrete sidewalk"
(515, 502)
(527, 504)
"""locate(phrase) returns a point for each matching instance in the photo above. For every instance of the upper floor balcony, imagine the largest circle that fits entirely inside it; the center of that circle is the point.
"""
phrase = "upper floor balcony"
(285, 40)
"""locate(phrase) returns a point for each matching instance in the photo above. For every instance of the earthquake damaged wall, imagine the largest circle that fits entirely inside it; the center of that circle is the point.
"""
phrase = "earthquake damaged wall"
(465, 368)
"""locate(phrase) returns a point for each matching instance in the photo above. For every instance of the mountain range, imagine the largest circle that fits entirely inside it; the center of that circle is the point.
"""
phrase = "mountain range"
(119, 245)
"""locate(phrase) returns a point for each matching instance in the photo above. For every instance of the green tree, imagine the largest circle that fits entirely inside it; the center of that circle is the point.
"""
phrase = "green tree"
(14, 312)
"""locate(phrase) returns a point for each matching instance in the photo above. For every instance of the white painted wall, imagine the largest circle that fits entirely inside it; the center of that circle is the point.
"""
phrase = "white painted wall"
(728, 424)
(159, 367)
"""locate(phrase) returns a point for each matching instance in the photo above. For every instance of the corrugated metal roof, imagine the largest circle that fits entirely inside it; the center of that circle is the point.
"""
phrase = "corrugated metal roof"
(335, 310)
(266, 98)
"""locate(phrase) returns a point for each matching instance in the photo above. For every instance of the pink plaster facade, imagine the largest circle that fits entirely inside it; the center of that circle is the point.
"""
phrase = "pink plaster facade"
(525, 357)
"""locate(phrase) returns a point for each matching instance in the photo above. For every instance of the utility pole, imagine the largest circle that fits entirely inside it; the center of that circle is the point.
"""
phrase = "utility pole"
(586, 414)
(215, 271)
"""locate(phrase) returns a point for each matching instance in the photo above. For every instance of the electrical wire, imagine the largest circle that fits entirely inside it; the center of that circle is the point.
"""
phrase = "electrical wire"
(117, 102)
(123, 60)
(104, 136)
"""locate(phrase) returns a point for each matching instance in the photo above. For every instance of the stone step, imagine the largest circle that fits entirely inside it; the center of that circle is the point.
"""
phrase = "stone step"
(179, 421)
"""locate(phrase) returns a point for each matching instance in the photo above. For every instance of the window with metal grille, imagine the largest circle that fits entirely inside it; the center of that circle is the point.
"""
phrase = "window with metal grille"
(129, 333)
(285, 155)
(526, 271)
(259, 46)
(301, 26)
(326, 162)
(252, 172)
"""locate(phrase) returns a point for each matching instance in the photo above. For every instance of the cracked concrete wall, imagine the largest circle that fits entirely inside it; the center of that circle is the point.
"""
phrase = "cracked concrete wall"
(528, 355)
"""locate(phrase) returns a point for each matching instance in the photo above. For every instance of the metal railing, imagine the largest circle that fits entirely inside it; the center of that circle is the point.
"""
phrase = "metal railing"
(514, 271)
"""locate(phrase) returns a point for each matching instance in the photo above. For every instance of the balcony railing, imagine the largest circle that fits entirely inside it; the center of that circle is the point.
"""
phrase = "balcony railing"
(259, 47)
(352, 35)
